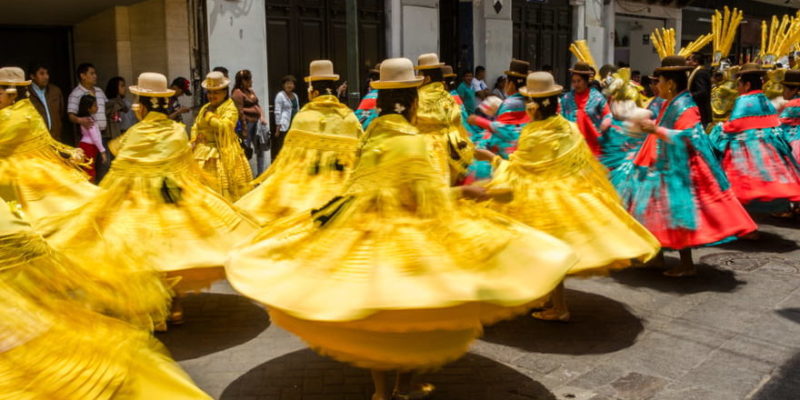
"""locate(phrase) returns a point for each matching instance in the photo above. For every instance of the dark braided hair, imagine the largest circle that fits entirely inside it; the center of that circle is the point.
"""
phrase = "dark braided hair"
(435, 74)
(546, 106)
(324, 87)
(517, 81)
(389, 98)
(681, 79)
(157, 104)
(755, 81)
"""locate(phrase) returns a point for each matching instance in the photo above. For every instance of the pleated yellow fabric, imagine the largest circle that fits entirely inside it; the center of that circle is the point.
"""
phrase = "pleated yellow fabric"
(35, 170)
(217, 150)
(53, 347)
(316, 159)
(560, 188)
(395, 254)
(154, 202)
(439, 116)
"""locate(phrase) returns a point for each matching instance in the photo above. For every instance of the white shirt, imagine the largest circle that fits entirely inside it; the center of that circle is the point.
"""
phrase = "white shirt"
(478, 85)
(74, 100)
(283, 110)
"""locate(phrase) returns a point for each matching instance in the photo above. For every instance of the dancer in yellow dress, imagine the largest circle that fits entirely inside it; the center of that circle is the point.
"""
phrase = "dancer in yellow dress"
(42, 175)
(440, 117)
(392, 275)
(317, 156)
(55, 347)
(216, 145)
(154, 202)
(560, 188)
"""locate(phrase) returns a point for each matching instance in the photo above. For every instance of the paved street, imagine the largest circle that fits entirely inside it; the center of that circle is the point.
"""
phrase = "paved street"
(732, 332)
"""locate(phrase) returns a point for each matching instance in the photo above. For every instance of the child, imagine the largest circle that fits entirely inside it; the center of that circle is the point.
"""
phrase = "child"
(91, 142)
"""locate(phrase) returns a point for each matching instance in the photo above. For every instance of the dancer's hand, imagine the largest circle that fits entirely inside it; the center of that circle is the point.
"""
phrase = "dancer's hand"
(648, 125)
(472, 119)
(484, 155)
(476, 193)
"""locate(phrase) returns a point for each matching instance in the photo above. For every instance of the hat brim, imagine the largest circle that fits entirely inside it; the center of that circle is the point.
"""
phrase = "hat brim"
(790, 83)
(223, 85)
(516, 74)
(313, 78)
(432, 66)
(554, 90)
(582, 72)
(149, 93)
(450, 75)
(15, 83)
(397, 84)
(677, 68)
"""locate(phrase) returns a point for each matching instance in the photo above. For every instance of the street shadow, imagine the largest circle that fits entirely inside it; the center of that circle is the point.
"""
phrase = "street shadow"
(785, 384)
(598, 325)
(767, 242)
(304, 374)
(708, 279)
(214, 322)
(792, 314)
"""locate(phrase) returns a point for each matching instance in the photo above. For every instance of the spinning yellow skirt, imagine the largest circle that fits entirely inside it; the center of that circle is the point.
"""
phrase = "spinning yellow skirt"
(559, 187)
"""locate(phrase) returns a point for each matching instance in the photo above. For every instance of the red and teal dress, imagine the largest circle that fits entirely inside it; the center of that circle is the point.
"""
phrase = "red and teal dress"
(472, 130)
(587, 110)
(790, 122)
(500, 135)
(367, 110)
(755, 156)
(618, 144)
(676, 188)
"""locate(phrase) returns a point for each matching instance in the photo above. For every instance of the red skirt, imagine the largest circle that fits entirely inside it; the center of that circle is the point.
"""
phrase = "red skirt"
(747, 182)
(91, 152)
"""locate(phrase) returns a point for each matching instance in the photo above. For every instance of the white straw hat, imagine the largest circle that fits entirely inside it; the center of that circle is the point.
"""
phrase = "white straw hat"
(215, 80)
(13, 76)
(152, 84)
(397, 73)
(321, 70)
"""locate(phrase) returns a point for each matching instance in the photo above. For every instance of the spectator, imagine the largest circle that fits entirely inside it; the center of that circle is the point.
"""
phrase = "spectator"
(48, 100)
(700, 86)
(223, 70)
(287, 104)
(500, 87)
(87, 76)
(465, 91)
(478, 83)
(180, 105)
(251, 115)
(117, 106)
(91, 142)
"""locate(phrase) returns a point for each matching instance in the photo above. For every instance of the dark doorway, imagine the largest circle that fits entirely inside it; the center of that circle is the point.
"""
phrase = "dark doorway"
(300, 31)
(24, 45)
(455, 33)
(542, 33)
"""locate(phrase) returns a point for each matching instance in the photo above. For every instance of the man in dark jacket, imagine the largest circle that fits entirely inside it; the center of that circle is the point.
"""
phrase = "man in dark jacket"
(48, 100)
(700, 86)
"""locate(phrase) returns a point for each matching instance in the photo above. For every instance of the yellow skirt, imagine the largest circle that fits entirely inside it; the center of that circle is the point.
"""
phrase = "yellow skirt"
(231, 179)
(43, 183)
(572, 199)
(311, 169)
(168, 215)
(397, 292)
(65, 352)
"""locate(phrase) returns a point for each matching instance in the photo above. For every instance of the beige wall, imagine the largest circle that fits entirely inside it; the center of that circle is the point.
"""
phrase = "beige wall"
(152, 35)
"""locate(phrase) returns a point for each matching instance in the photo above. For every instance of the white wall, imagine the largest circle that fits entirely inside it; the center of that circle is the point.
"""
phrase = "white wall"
(412, 28)
(493, 35)
(237, 39)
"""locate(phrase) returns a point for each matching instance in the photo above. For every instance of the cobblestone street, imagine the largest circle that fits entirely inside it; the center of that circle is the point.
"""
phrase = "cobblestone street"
(732, 332)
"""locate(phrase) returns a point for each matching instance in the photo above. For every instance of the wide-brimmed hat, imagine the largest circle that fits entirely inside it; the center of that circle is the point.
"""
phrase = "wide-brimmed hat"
(397, 73)
(152, 84)
(519, 68)
(672, 64)
(13, 76)
(428, 61)
(215, 80)
(376, 70)
(751, 68)
(541, 84)
(321, 70)
(583, 68)
(447, 72)
(791, 78)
